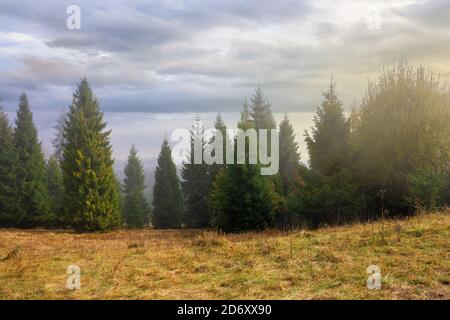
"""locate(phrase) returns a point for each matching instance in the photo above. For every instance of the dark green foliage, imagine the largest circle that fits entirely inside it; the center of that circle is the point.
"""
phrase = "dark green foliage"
(33, 202)
(167, 197)
(397, 141)
(91, 195)
(219, 126)
(289, 156)
(55, 189)
(136, 210)
(427, 189)
(196, 183)
(329, 144)
(326, 200)
(58, 141)
(447, 198)
(403, 126)
(242, 200)
(8, 163)
(326, 193)
(288, 177)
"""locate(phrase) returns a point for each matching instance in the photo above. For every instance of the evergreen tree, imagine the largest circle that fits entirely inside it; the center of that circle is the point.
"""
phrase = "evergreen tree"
(92, 200)
(261, 116)
(219, 126)
(241, 198)
(261, 112)
(33, 203)
(329, 143)
(326, 200)
(135, 207)
(55, 189)
(58, 141)
(403, 131)
(167, 197)
(427, 189)
(196, 182)
(289, 156)
(8, 163)
(245, 120)
(326, 193)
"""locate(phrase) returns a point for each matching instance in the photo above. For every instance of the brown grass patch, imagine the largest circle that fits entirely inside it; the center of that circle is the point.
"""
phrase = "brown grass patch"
(186, 264)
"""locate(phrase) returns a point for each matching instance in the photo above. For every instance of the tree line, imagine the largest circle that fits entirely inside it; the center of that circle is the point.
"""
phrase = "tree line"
(391, 154)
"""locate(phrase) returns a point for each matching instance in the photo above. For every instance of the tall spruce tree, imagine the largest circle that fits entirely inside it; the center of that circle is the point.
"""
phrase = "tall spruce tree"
(329, 143)
(8, 163)
(92, 200)
(55, 189)
(219, 127)
(135, 207)
(196, 183)
(289, 156)
(58, 140)
(33, 202)
(261, 112)
(245, 120)
(242, 199)
(326, 192)
(261, 116)
(167, 196)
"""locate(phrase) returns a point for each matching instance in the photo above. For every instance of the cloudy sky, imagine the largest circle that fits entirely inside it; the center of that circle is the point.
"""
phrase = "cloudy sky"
(154, 64)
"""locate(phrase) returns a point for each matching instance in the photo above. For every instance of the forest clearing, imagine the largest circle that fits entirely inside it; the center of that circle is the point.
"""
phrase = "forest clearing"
(328, 263)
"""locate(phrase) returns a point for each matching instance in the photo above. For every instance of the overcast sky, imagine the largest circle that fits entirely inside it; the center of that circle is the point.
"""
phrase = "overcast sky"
(145, 59)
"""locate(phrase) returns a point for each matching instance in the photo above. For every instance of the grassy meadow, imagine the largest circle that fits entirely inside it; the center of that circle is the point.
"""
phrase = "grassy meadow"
(329, 263)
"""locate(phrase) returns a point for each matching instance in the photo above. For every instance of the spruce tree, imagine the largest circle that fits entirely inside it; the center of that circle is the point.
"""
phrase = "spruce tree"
(55, 189)
(245, 119)
(242, 199)
(135, 207)
(196, 182)
(261, 112)
(219, 126)
(325, 200)
(329, 143)
(58, 141)
(33, 202)
(326, 192)
(289, 156)
(261, 116)
(8, 163)
(91, 190)
(167, 197)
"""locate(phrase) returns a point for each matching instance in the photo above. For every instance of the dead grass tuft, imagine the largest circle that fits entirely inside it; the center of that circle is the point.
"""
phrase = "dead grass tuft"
(13, 254)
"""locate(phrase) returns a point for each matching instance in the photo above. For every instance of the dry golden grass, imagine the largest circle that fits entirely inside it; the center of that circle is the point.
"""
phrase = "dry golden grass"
(326, 264)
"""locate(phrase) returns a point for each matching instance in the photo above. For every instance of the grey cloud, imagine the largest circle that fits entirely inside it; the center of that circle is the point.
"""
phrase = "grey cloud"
(116, 33)
(147, 56)
(434, 13)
